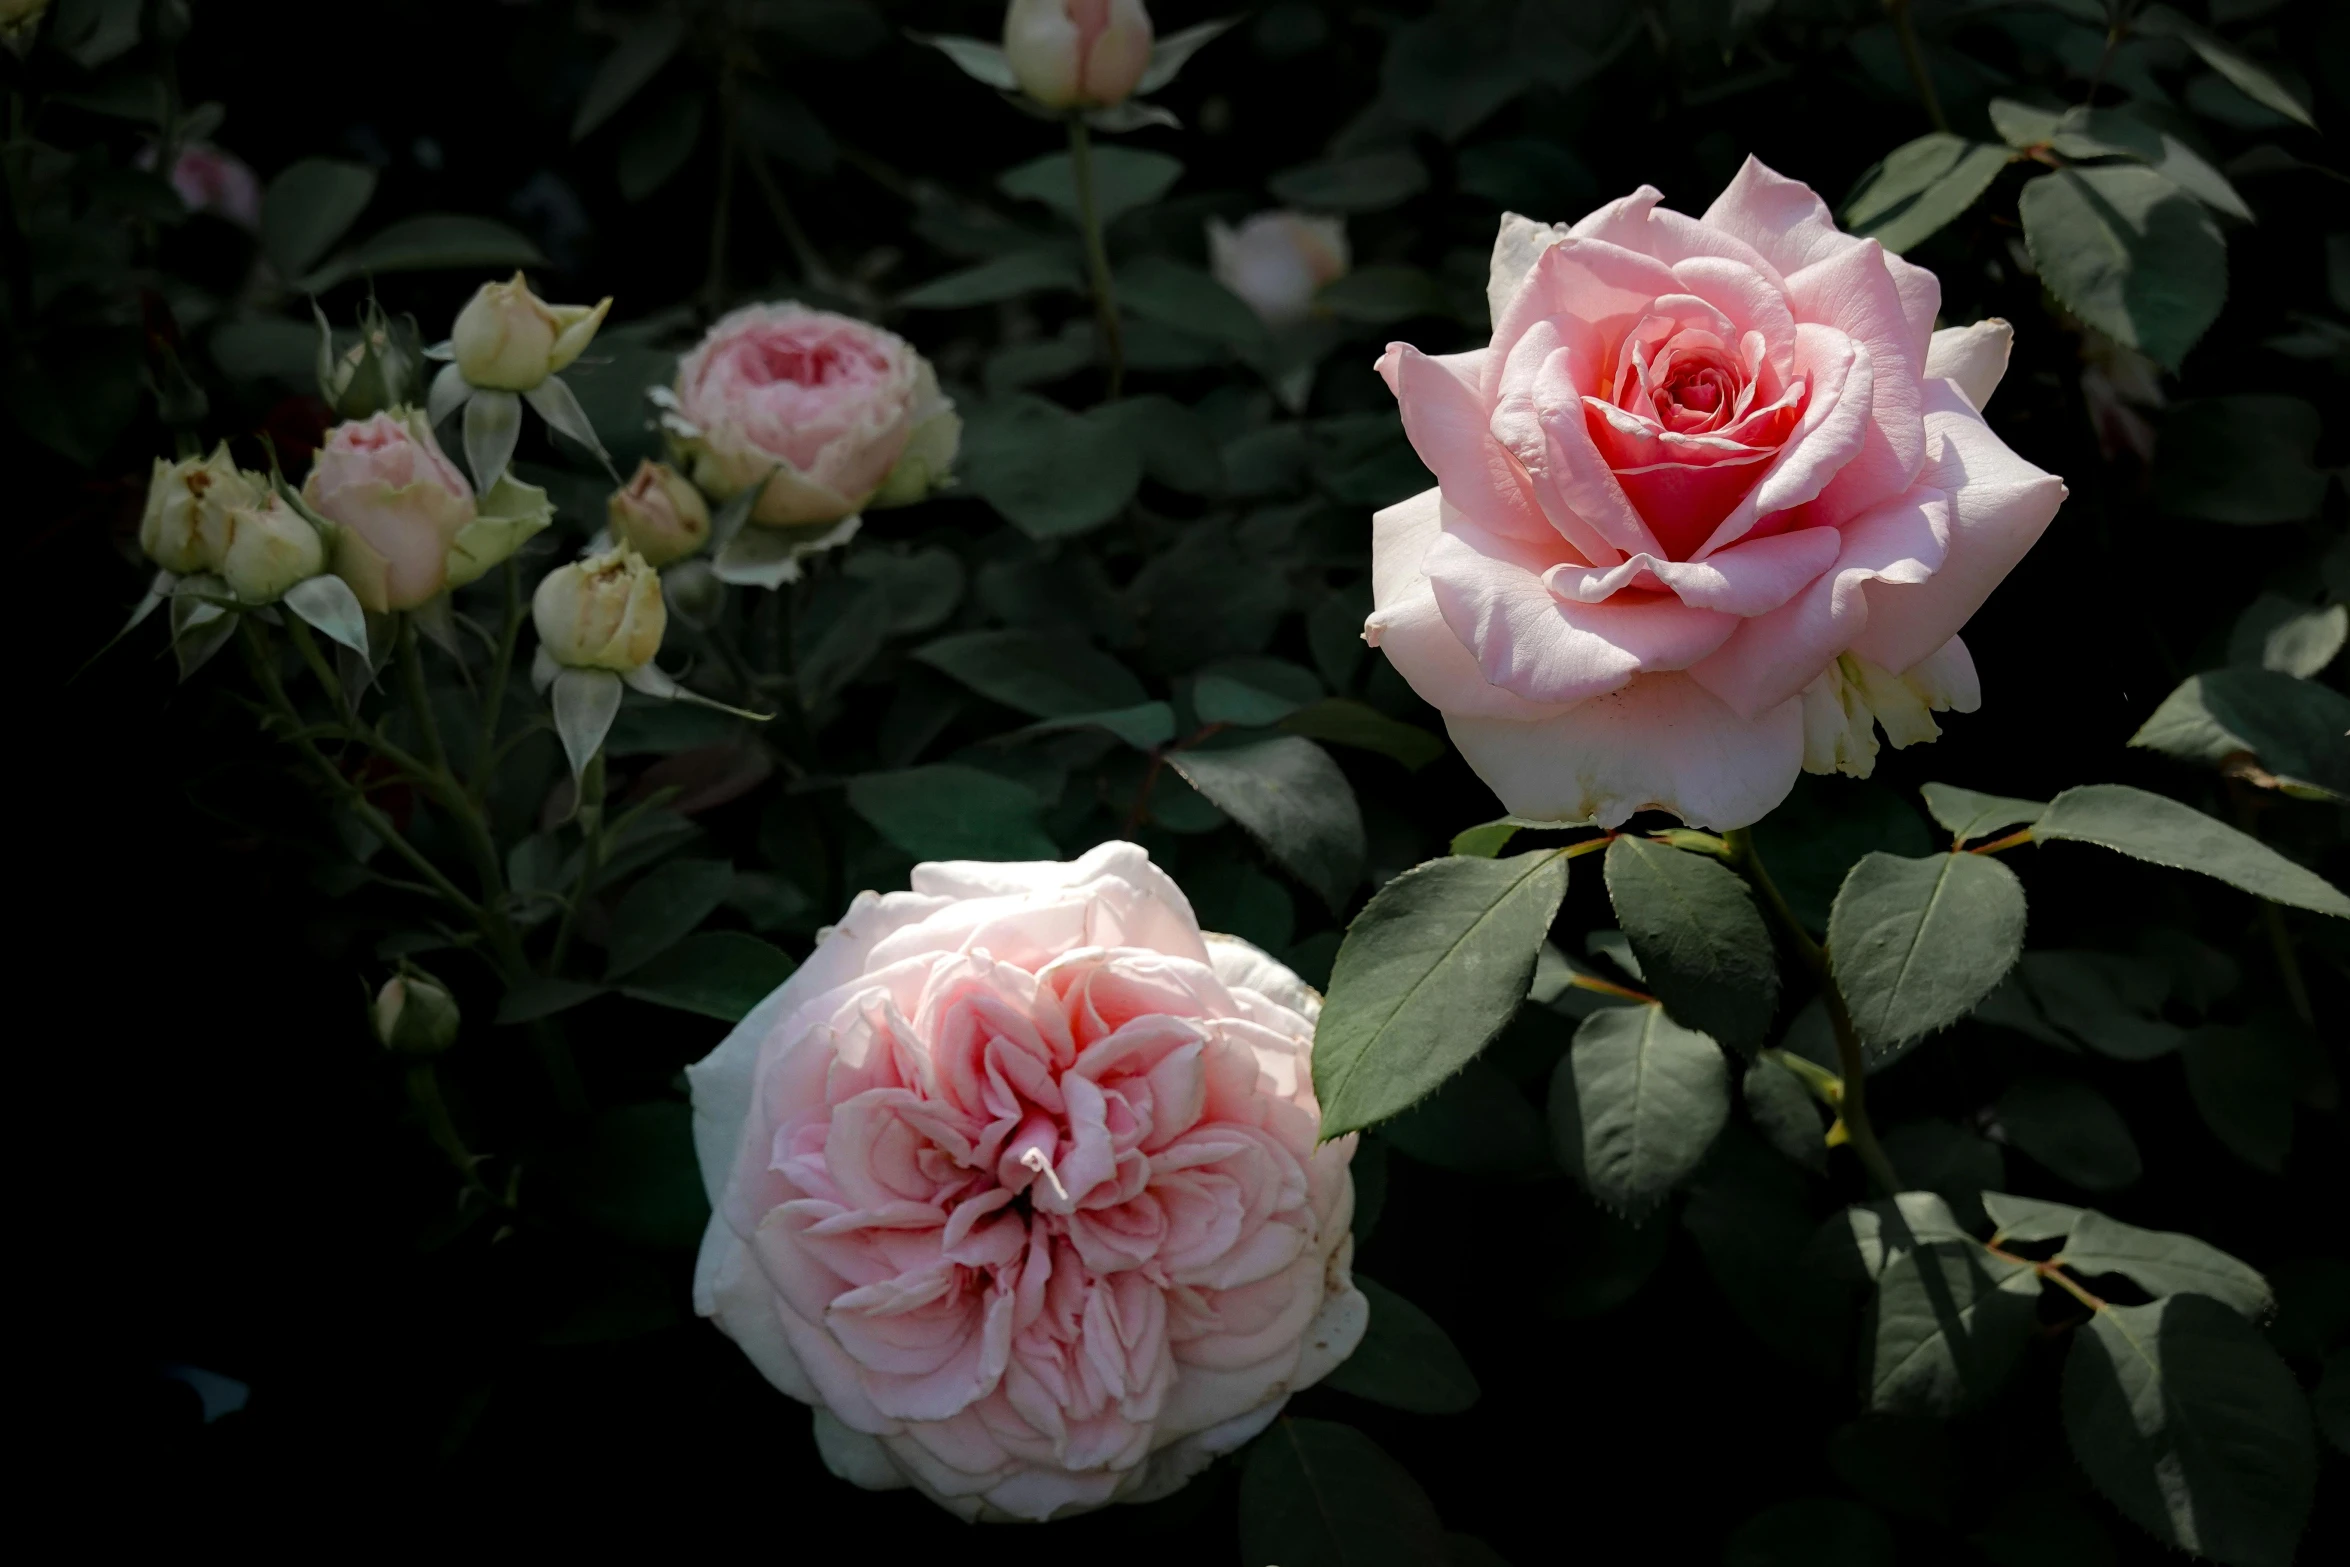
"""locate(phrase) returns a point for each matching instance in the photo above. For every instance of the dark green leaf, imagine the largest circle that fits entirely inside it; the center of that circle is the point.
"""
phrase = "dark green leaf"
(1050, 472)
(2028, 1219)
(1318, 1494)
(1368, 182)
(953, 812)
(1955, 1162)
(2104, 999)
(1405, 1359)
(2189, 1423)
(309, 207)
(1486, 840)
(719, 973)
(921, 587)
(634, 61)
(2294, 728)
(1969, 815)
(537, 998)
(1946, 1326)
(1811, 1532)
(1343, 721)
(2276, 632)
(1921, 186)
(2130, 253)
(1477, 1123)
(1824, 827)
(1159, 288)
(1701, 944)
(2163, 832)
(1005, 277)
(1635, 1104)
(1144, 726)
(2163, 1262)
(631, 1172)
(2073, 1130)
(1872, 1236)
(2248, 459)
(1916, 943)
(1292, 799)
(1124, 179)
(1786, 1114)
(1598, 1261)
(2249, 78)
(1384, 295)
(1252, 691)
(663, 907)
(428, 242)
(2242, 1083)
(1432, 968)
(2117, 133)
(1048, 677)
(657, 147)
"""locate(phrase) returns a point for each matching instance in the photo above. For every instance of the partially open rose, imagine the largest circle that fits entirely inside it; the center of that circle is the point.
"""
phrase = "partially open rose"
(1701, 459)
(1016, 1181)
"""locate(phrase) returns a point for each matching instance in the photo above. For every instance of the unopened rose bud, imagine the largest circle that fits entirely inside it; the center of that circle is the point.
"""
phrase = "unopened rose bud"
(372, 375)
(1077, 54)
(188, 501)
(508, 339)
(415, 1015)
(604, 612)
(659, 514)
(1276, 260)
(266, 549)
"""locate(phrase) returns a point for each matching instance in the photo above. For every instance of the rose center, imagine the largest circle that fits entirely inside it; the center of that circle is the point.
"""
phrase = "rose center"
(802, 364)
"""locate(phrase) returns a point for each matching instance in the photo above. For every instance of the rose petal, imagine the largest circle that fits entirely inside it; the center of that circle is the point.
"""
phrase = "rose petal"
(1407, 626)
(1971, 358)
(1748, 578)
(1851, 291)
(1445, 418)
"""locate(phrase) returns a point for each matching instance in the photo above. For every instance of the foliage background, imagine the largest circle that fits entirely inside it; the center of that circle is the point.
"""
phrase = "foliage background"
(241, 1194)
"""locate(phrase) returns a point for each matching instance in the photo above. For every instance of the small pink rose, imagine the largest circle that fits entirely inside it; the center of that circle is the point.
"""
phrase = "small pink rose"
(397, 502)
(210, 180)
(1077, 53)
(1700, 461)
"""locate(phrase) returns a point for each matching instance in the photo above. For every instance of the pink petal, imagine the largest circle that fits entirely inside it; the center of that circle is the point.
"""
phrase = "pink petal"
(1971, 358)
(1637, 222)
(1783, 219)
(1852, 292)
(1749, 578)
(1580, 280)
(1448, 422)
(1407, 626)
(1752, 302)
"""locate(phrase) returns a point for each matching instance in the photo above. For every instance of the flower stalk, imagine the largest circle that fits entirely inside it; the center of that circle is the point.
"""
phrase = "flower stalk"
(1097, 259)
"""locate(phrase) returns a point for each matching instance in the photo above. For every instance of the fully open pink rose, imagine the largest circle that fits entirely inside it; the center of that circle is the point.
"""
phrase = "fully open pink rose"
(841, 413)
(398, 503)
(1016, 1181)
(1705, 467)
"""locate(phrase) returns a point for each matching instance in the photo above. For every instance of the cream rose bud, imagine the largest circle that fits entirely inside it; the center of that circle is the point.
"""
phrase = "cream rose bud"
(659, 514)
(415, 1015)
(268, 548)
(508, 339)
(398, 505)
(604, 612)
(1077, 54)
(1276, 260)
(187, 506)
(833, 414)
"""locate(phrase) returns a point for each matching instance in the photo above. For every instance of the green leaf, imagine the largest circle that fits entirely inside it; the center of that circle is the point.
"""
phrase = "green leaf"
(1811, 1532)
(1005, 277)
(1914, 944)
(2242, 1083)
(920, 588)
(659, 145)
(1343, 721)
(663, 907)
(1159, 288)
(2130, 253)
(2185, 1419)
(631, 1173)
(2249, 78)
(1124, 179)
(2029, 1219)
(1635, 1104)
(1431, 970)
(2250, 459)
(1292, 799)
(2294, 728)
(328, 603)
(1477, 1123)
(2104, 999)
(2164, 1262)
(1144, 726)
(1880, 1233)
(718, 973)
(1384, 295)
(1813, 839)
(634, 61)
(428, 242)
(2117, 133)
(1701, 943)
(2073, 1130)
(1785, 1112)
(1970, 816)
(1252, 691)
(1368, 182)
(1947, 1324)
(1046, 676)
(1171, 53)
(1486, 840)
(2287, 635)
(1921, 186)
(537, 998)
(952, 812)
(1955, 1162)
(309, 207)
(1318, 1494)
(978, 59)
(1405, 1360)
(2161, 831)
(1050, 472)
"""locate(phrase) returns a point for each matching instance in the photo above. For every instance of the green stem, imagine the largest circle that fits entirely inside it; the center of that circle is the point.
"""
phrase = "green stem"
(461, 805)
(1915, 58)
(1853, 1099)
(591, 814)
(424, 1091)
(1097, 260)
(320, 670)
(501, 673)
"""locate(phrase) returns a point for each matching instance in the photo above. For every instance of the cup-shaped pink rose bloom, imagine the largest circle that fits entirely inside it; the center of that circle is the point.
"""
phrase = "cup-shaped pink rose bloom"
(398, 504)
(1713, 477)
(843, 414)
(1016, 1182)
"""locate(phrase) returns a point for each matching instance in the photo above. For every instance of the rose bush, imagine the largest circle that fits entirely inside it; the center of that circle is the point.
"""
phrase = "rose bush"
(1700, 459)
(1016, 1181)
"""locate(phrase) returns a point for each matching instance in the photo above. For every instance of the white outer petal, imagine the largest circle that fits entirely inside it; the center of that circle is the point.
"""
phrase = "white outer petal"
(1971, 358)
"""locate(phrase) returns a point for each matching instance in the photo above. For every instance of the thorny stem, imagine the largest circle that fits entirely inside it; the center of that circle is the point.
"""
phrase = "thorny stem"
(1915, 58)
(1097, 260)
(424, 1091)
(1853, 1100)
(459, 804)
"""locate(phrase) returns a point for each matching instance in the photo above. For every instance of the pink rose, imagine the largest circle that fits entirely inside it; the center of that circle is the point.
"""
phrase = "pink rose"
(398, 503)
(1077, 53)
(1016, 1182)
(843, 414)
(1705, 466)
(210, 180)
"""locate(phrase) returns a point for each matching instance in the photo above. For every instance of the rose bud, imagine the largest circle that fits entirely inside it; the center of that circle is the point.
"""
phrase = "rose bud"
(1077, 54)
(268, 548)
(372, 375)
(415, 1015)
(398, 505)
(832, 413)
(1019, 1181)
(659, 514)
(508, 339)
(1276, 260)
(604, 612)
(1700, 461)
(187, 505)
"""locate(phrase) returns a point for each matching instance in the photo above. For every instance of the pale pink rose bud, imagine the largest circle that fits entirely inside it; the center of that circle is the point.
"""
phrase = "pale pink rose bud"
(1276, 260)
(414, 1015)
(833, 414)
(508, 339)
(185, 523)
(1700, 459)
(1077, 54)
(604, 612)
(398, 505)
(210, 180)
(659, 514)
(266, 549)
(1017, 1181)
